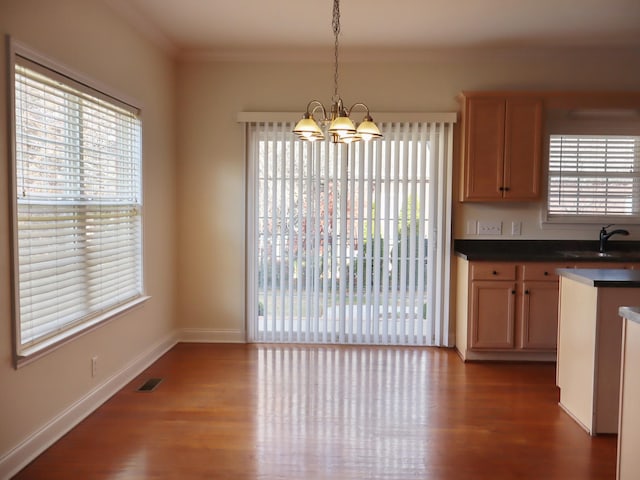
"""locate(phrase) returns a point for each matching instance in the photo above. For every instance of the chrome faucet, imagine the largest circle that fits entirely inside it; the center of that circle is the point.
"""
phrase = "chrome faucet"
(604, 236)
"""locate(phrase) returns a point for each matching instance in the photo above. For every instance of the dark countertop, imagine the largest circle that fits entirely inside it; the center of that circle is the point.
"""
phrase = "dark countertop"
(631, 313)
(603, 277)
(546, 250)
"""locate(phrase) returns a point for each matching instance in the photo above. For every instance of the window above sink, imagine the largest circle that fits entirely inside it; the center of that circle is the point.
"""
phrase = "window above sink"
(593, 168)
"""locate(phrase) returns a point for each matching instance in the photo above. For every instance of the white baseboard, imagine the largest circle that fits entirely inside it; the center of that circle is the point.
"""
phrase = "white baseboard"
(206, 335)
(17, 458)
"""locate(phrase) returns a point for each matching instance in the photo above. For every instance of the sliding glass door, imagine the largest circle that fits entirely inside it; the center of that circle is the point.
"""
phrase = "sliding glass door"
(343, 243)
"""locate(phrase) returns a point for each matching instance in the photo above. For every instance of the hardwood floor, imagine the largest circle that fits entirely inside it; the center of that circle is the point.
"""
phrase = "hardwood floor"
(326, 412)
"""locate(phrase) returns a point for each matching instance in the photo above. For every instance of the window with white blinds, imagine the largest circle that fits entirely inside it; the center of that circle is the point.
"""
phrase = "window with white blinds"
(350, 244)
(594, 176)
(78, 206)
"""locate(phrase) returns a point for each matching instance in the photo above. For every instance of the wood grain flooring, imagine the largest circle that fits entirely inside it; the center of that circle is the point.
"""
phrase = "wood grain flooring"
(327, 412)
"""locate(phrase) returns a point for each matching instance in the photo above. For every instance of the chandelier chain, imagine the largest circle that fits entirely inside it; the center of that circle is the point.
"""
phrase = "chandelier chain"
(335, 23)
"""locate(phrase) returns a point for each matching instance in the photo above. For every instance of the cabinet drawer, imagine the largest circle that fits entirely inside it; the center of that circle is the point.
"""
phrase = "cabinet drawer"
(542, 271)
(493, 271)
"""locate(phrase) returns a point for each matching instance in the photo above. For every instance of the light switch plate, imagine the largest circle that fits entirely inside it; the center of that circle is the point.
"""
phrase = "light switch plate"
(516, 228)
(472, 227)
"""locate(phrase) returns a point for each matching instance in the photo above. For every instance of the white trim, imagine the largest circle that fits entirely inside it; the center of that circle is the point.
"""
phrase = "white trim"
(41, 349)
(18, 49)
(32, 446)
(250, 232)
(393, 55)
(471, 356)
(447, 241)
(409, 117)
(210, 335)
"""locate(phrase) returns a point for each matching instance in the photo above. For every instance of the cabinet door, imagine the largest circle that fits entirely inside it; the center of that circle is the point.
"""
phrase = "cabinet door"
(523, 148)
(484, 148)
(492, 313)
(539, 315)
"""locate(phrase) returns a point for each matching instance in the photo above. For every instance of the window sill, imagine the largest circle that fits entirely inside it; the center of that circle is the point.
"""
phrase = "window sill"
(30, 354)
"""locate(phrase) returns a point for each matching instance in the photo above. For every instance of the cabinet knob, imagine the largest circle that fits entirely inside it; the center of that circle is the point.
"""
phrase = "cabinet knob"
(546, 274)
(494, 272)
(513, 292)
(526, 292)
(506, 189)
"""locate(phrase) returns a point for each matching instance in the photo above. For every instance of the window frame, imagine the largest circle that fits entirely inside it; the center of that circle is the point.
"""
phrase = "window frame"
(586, 123)
(23, 355)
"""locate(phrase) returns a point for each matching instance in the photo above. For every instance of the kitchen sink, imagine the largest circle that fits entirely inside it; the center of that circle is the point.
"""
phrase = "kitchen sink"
(594, 255)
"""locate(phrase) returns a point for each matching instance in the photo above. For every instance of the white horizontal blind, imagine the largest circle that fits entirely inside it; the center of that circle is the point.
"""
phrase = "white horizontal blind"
(78, 206)
(344, 237)
(592, 175)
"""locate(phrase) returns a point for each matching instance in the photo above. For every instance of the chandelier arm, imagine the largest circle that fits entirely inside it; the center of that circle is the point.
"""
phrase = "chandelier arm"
(359, 104)
(317, 104)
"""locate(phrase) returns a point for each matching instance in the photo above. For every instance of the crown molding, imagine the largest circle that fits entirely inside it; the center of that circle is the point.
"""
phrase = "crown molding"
(399, 55)
(148, 29)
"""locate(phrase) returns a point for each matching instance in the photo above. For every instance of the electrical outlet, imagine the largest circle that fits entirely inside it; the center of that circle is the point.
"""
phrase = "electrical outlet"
(94, 366)
(490, 228)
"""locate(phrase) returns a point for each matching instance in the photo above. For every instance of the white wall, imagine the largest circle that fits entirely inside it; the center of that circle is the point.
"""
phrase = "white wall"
(211, 169)
(86, 37)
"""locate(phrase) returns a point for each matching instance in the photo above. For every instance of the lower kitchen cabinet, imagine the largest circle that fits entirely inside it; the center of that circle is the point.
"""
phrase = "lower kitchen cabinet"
(493, 313)
(507, 311)
(539, 314)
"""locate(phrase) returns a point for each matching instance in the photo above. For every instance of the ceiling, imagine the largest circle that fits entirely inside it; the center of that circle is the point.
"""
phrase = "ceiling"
(246, 27)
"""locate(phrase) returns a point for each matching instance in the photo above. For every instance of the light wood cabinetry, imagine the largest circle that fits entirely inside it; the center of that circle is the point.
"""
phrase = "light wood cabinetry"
(502, 141)
(493, 314)
(507, 310)
(539, 315)
(539, 306)
(493, 293)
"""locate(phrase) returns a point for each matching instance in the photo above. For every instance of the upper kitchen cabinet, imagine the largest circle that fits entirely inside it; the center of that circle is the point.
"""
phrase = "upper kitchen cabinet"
(502, 142)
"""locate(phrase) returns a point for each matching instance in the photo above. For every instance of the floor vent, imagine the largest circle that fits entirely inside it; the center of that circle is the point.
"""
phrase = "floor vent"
(150, 385)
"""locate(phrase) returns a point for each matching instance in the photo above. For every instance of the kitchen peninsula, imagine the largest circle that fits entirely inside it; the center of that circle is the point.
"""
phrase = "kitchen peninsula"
(628, 433)
(589, 343)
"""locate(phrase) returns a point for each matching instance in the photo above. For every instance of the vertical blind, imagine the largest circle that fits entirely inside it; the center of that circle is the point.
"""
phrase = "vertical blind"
(350, 242)
(594, 175)
(78, 204)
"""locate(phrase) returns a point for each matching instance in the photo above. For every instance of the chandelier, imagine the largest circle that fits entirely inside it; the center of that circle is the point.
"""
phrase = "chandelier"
(341, 127)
